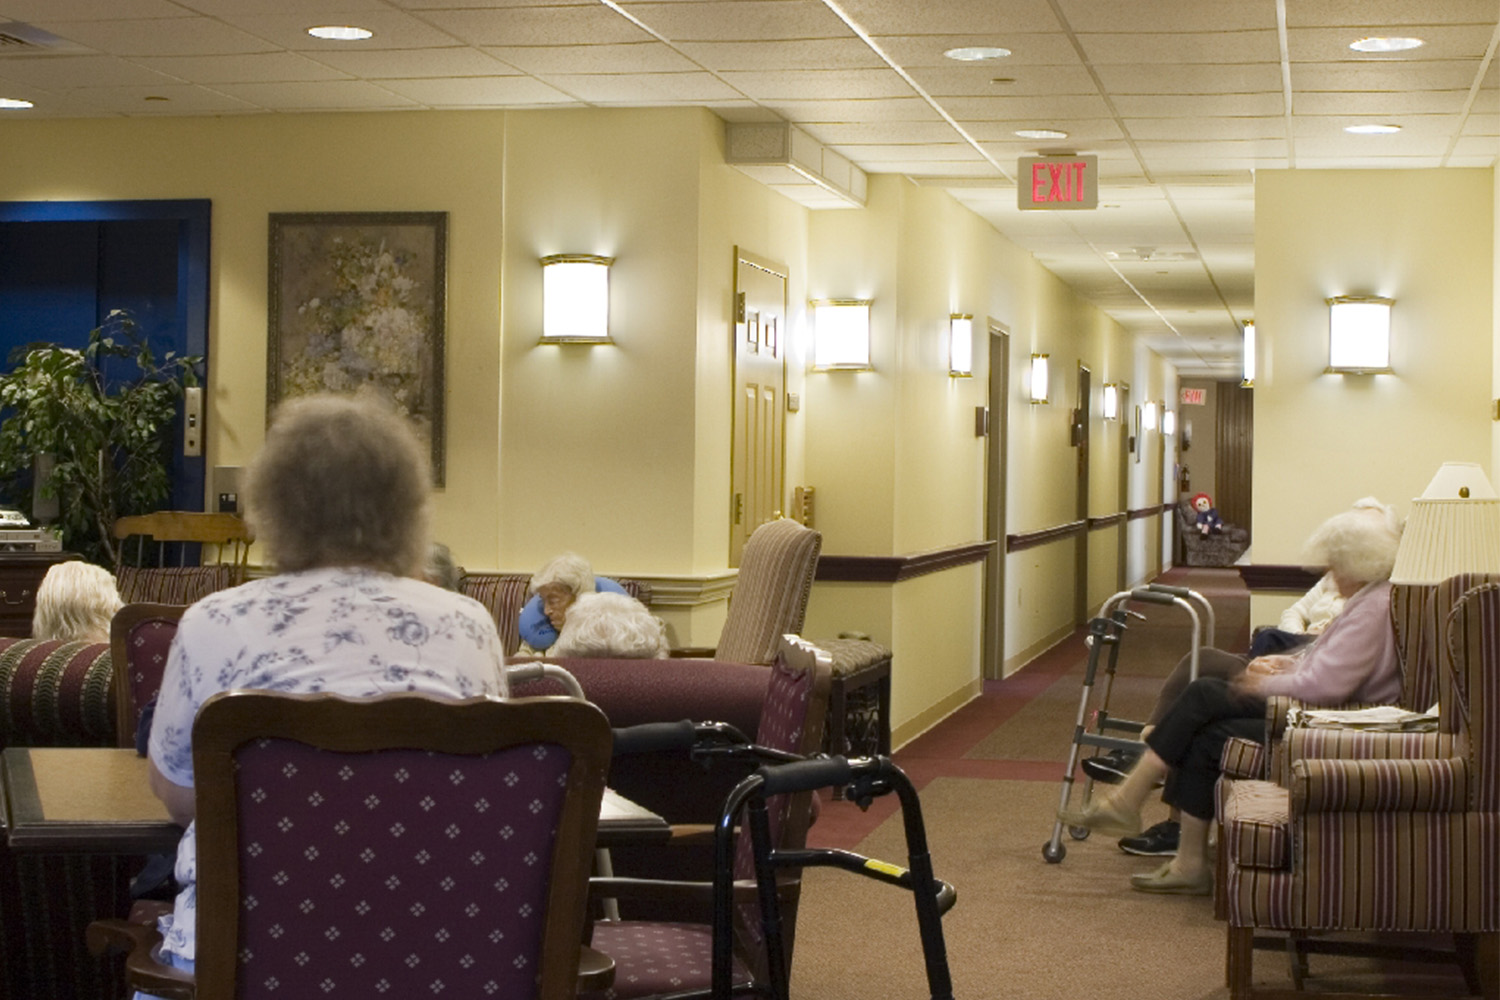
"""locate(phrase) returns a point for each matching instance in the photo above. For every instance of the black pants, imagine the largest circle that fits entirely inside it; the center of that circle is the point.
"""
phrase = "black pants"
(1191, 739)
(1211, 663)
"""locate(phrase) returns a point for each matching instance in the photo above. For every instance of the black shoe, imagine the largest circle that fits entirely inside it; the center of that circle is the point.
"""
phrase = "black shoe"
(1111, 768)
(1156, 841)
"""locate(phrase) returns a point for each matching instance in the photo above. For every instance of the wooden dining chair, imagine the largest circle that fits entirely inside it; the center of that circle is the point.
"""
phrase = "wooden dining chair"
(404, 845)
(195, 554)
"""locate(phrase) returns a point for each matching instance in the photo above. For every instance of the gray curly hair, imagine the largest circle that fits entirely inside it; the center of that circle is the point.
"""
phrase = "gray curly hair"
(611, 625)
(569, 570)
(1359, 544)
(340, 482)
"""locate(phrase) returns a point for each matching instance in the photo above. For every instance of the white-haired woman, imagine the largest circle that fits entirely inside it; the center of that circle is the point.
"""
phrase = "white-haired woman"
(611, 625)
(339, 498)
(554, 588)
(1355, 659)
(75, 603)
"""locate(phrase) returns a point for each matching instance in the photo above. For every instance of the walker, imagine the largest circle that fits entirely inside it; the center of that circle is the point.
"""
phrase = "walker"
(1106, 632)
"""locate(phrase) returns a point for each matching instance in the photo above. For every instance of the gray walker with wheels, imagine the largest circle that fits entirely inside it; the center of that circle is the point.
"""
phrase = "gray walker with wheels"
(1105, 633)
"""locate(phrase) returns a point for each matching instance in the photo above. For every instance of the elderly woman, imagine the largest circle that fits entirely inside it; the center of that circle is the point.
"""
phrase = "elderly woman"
(75, 603)
(338, 497)
(1354, 659)
(554, 588)
(613, 626)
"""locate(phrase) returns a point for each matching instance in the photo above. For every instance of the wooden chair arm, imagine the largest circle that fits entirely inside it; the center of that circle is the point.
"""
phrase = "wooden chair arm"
(143, 970)
(692, 653)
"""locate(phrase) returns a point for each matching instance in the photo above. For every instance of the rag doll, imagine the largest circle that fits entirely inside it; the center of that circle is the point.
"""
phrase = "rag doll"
(1209, 521)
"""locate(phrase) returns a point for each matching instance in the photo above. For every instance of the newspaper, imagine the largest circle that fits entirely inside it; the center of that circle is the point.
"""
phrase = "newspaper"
(1383, 718)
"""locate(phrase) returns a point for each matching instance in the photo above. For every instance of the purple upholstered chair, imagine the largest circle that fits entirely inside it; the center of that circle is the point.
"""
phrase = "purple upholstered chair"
(140, 637)
(654, 958)
(402, 845)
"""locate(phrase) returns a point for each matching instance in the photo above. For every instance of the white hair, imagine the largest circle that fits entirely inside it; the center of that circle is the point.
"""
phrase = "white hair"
(611, 625)
(1359, 544)
(569, 570)
(75, 603)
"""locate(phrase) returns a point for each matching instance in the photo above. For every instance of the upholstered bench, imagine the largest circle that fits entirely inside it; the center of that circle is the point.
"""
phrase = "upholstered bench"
(859, 705)
(56, 694)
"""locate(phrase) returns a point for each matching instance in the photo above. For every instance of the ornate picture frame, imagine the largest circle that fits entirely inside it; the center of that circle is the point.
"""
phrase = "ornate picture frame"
(357, 306)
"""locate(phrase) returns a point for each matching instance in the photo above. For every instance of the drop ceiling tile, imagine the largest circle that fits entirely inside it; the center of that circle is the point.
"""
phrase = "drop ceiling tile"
(173, 36)
(1232, 78)
(1486, 124)
(1477, 147)
(856, 134)
(1167, 15)
(393, 30)
(479, 92)
(1215, 48)
(1081, 131)
(1332, 127)
(263, 67)
(926, 51)
(181, 99)
(645, 88)
(737, 20)
(33, 11)
(1432, 102)
(1482, 161)
(1231, 149)
(818, 85)
(336, 95)
(315, 11)
(460, 61)
(62, 73)
(1468, 41)
(1200, 106)
(1446, 74)
(1389, 12)
(873, 158)
(978, 81)
(1351, 162)
(648, 56)
(951, 17)
(1206, 129)
(790, 53)
(899, 109)
(742, 111)
(930, 168)
(580, 26)
(1042, 111)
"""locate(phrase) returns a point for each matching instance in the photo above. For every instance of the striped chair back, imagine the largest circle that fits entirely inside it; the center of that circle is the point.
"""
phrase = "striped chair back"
(770, 597)
(1419, 613)
(504, 594)
(1474, 682)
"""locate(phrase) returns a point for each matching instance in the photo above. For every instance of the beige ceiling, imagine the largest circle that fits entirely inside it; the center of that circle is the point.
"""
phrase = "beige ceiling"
(1181, 100)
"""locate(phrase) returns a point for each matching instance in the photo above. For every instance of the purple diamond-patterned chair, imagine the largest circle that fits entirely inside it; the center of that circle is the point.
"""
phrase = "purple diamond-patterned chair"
(396, 846)
(655, 958)
(140, 636)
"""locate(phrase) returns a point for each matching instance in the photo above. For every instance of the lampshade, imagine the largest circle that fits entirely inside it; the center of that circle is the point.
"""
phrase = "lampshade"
(575, 299)
(1248, 351)
(1169, 423)
(1454, 527)
(960, 345)
(841, 334)
(1040, 392)
(1359, 334)
(1111, 403)
(1148, 416)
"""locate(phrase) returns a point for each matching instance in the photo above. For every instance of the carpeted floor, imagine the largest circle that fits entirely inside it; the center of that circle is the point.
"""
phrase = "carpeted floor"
(990, 782)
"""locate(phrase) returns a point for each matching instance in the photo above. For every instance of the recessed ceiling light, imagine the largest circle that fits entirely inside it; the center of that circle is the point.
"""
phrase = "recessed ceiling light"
(1385, 44)
(977, 53)
(1372, 129)
(13, 102)
(1040, 133)
(340, 32)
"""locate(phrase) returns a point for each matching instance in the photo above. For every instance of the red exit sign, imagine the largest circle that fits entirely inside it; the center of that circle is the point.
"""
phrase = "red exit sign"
(1052, 183)
(1194, 397)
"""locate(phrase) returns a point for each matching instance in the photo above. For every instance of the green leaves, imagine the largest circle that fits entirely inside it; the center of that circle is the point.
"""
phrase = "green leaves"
(104, 413)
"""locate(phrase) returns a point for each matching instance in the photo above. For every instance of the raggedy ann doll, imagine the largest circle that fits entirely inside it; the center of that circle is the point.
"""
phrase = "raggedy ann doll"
(1209, 521)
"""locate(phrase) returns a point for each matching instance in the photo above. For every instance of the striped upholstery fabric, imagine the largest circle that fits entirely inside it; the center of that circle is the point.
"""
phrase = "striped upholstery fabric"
(56, 693)
(172, 584)
(504, 594)
(770, 597)
(1383, 831)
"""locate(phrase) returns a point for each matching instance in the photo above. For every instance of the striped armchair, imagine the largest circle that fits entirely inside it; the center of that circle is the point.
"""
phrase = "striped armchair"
(1385, 832)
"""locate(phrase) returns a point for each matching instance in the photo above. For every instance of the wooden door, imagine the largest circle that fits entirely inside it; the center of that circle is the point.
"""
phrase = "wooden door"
(757, 457)
(994, 503)
(1080, 434)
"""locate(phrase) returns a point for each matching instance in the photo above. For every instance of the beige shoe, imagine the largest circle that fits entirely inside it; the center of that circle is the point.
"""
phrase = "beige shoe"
(1104, 815)
(1166, 881)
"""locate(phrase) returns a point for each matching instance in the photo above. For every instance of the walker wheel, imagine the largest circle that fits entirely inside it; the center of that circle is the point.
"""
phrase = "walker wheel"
(1079, 832)
(1054, 853)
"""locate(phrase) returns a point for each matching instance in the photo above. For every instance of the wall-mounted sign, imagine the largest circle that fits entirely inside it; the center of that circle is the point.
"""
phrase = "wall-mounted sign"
(1051, 183)
(1194, 397)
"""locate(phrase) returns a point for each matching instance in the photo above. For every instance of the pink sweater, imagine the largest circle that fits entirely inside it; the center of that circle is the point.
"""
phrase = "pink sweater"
(1354, 660)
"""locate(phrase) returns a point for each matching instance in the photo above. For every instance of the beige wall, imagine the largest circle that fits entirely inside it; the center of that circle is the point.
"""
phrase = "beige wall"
(1201, 458)
(1424, 238)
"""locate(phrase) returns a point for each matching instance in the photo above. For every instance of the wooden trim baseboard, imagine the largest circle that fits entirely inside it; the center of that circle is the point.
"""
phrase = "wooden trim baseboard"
(894, 569)
(1266, 576)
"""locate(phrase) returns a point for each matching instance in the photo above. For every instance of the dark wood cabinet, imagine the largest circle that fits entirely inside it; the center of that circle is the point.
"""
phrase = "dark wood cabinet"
(20, 575)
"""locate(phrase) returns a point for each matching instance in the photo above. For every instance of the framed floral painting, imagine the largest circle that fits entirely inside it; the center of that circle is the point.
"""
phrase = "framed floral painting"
(356, 307)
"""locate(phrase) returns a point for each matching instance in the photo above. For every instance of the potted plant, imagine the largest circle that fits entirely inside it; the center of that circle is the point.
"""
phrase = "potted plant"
(104, 414)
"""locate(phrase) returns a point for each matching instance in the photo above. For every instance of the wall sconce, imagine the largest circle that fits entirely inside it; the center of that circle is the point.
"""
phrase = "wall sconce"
(1148, 416)
(841, 335)
(1248, 362)
(1039, 389)
(1111, 401)
(1359, 334)
(575, 299)
(1169, 423)
(960, 345)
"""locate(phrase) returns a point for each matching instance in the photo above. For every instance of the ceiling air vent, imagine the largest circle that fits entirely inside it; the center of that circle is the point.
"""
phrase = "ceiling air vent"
(788, 160)
(17, 39)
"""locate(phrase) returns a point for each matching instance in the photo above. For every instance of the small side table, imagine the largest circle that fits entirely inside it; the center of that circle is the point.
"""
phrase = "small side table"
(859, 703)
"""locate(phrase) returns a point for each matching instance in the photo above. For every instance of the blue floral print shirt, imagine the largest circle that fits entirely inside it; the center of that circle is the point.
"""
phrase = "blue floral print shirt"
(345, 631)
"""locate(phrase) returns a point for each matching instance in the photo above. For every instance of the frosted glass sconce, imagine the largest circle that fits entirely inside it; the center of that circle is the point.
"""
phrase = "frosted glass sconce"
(1039, 389)
(960, 345)
(1359, 334)
(575, 299)
(1169, 423)
(1248, 347)
(1111, 402)
(841, 335)
(1148, 417)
